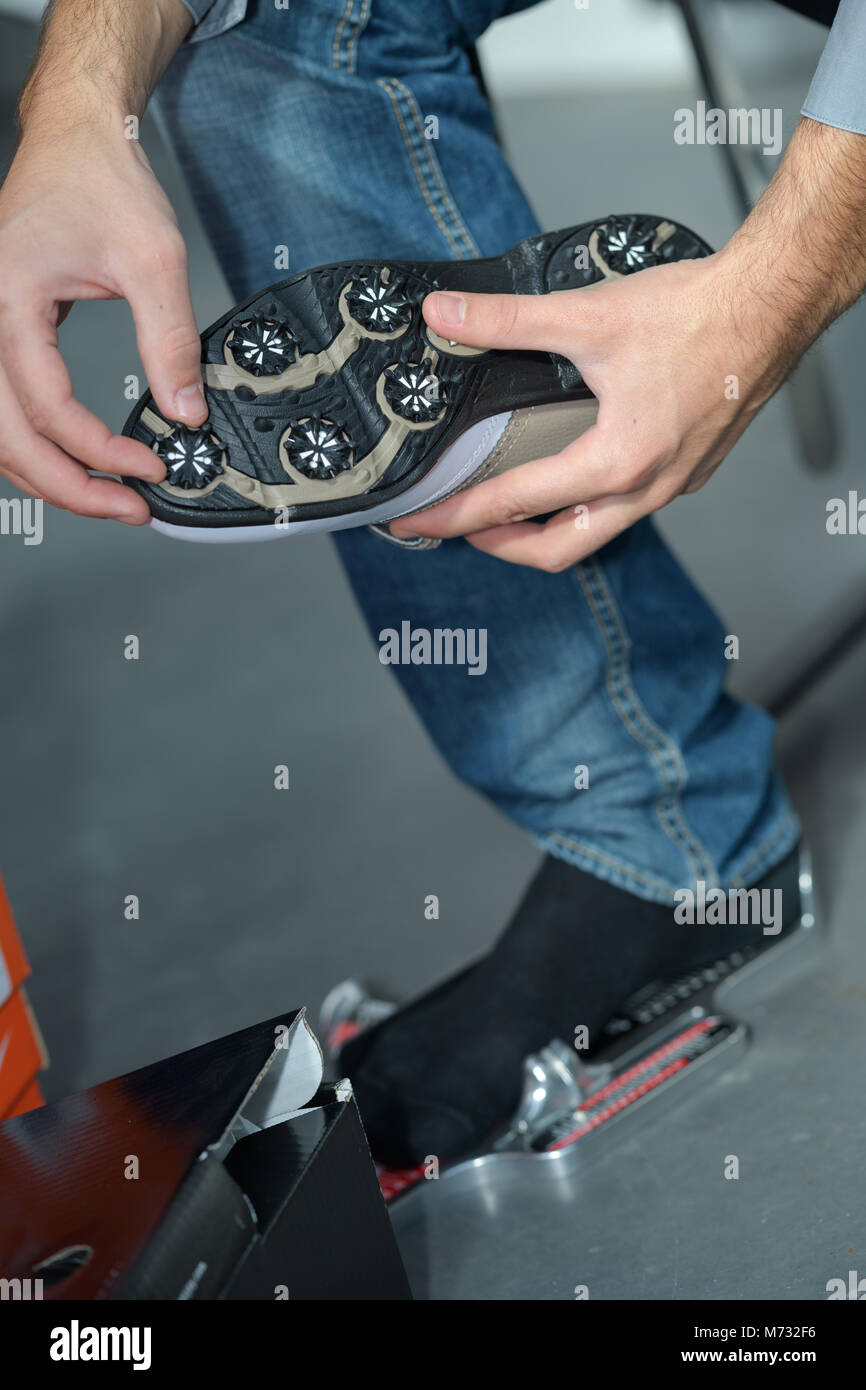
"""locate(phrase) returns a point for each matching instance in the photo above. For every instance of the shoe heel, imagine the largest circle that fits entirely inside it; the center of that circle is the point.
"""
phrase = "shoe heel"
(618, 246)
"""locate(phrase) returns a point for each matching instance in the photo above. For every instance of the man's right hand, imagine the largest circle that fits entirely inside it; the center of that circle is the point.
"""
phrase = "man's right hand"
(83, 217)
(82, 222)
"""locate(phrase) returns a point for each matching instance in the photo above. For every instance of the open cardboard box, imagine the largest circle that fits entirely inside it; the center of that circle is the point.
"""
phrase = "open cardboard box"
(230, 1171)
(22, 1051)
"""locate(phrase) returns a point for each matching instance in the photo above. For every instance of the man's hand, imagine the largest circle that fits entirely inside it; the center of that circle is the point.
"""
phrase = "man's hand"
(82, 217)
(681, 358)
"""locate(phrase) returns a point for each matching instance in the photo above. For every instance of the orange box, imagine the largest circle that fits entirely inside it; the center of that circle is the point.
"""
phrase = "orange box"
(13, 962)
(30, 1099)
(22, 1051)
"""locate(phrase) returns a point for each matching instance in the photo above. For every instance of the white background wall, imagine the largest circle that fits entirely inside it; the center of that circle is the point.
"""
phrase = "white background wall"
(557, 44)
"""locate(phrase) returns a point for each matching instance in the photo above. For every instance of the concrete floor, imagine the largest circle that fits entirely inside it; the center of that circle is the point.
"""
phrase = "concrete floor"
(253, 901)
(653, 1217)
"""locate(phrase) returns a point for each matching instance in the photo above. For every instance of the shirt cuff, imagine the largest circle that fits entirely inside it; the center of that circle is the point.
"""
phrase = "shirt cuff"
(837, 95)
(213, 17)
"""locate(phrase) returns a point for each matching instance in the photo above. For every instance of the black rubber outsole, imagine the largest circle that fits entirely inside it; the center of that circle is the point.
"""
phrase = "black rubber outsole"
(366, 378)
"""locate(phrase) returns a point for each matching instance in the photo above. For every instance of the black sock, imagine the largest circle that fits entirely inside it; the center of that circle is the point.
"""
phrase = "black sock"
(435, 1077)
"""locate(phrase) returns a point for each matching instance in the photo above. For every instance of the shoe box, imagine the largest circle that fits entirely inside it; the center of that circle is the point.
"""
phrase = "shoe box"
(22, 1051)
(232, 1171)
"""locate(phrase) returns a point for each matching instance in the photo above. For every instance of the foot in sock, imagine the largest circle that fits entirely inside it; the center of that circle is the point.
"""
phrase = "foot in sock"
(437, 1076)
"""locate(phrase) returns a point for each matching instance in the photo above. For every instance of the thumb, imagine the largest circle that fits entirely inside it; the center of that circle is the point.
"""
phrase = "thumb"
(168, 340)
(535, 322)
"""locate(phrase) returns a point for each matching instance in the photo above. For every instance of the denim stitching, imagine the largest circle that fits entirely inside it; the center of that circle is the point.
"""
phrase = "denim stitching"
(661, 748)
(352, 41)
(418, 172)
(627, 871)
(436, 171)
(787, 824)
(627, 876)
(429, 192)
(338, 33)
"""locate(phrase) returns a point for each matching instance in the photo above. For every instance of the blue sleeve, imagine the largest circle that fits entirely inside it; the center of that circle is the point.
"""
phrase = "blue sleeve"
(837, 95)
(213, 16)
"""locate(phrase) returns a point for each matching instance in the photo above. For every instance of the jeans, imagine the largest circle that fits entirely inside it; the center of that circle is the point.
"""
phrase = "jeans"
(309, 128)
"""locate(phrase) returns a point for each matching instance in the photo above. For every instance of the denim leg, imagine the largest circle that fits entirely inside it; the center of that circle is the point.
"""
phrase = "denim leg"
(339, 128)
(349, 128)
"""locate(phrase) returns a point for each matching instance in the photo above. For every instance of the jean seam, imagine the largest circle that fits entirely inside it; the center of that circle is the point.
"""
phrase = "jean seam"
(627, 871)
(661, 748)
(786, 824)
(436, 170)
(348, 62)
(629, 875)
(338, 34)
(352, 42)
(433, 189)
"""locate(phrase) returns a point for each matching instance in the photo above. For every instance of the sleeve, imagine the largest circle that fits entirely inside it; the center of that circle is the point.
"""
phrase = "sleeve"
(213, 17)
(837, 95)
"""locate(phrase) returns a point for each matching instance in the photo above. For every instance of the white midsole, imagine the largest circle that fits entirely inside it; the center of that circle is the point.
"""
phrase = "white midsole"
(456, 466)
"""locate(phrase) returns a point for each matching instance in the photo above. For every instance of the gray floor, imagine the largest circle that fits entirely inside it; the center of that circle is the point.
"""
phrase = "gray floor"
(254, 900)
(654, 1217)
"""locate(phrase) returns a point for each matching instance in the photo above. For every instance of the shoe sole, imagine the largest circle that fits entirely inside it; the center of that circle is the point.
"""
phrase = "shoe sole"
(332, 404)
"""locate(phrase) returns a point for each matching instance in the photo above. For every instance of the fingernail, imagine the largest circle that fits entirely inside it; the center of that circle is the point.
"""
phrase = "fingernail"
(189, 401)
(451, 308)
(128, 519)
(402, 535)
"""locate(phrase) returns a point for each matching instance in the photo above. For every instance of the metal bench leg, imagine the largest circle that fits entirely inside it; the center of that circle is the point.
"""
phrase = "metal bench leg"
(808, 389)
